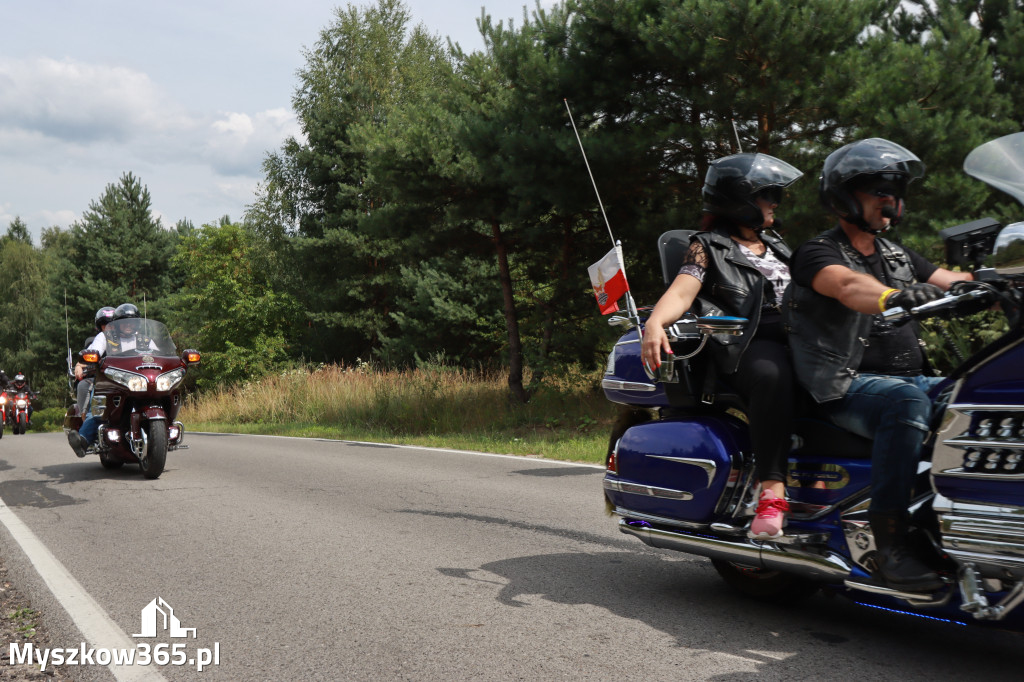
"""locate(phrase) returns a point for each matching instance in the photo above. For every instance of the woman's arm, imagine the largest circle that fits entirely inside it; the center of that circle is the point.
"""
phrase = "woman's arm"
(671, 306)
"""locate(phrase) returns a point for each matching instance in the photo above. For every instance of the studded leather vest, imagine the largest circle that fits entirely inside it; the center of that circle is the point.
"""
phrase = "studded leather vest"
(827, 338)
(733, 286)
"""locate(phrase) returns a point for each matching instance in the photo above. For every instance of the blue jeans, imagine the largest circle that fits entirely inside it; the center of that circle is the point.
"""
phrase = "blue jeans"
(90, 429)
(895, 412)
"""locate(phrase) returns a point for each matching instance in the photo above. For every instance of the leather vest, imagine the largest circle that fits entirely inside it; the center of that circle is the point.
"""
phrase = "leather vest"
(827, 338)
(733, 286)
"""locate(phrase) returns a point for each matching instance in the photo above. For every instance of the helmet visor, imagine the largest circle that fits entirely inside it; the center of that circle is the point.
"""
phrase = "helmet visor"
(873, 157)
(748, 174)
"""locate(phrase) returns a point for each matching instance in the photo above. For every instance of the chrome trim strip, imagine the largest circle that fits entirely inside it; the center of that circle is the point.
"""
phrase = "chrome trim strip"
(1002, 511)
(627, 386)
(965, 443)
(648, 490)
(987, 560)
(709, 466)
(660, 520)
(626, 343)
(959, 472)
(980, 407)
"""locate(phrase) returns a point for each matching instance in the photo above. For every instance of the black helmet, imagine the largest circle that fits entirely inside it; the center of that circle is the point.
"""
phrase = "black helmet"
(863, 163)
(733, 183)
(103, 316)
(125, 310)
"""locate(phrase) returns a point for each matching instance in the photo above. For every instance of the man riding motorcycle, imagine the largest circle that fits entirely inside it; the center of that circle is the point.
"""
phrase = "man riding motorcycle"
(100, 321)
(80, 440)
(868, 375)
(18, 384)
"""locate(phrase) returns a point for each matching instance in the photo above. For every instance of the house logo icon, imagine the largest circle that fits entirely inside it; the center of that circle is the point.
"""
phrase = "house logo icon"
(158, 616)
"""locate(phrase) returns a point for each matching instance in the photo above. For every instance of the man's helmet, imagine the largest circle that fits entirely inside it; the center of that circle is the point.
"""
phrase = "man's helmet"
(123, 311)
(103, 316)
(733, 184)
(867, 165)
(19, 379)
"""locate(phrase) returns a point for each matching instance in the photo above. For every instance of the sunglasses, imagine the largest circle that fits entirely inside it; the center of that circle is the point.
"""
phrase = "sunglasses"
(885, 185)
(773, 195)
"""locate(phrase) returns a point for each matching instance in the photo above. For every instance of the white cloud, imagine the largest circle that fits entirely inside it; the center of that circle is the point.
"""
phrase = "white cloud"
(237, 142)
(80, 103)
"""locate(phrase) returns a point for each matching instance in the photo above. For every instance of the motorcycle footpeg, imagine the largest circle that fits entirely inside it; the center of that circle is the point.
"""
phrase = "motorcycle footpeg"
(868, 585)
(799, 539)
(730, 529)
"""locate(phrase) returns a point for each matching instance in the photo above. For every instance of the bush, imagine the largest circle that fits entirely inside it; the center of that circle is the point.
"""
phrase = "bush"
(50, 419)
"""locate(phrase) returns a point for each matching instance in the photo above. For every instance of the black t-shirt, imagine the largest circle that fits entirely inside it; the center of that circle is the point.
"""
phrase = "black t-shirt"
(890, 350)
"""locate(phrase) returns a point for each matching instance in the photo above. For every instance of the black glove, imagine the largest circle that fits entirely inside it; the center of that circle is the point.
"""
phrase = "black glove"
(913, 296)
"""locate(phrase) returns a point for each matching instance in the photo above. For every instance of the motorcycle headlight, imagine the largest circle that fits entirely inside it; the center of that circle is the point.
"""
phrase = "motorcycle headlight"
(130, 380)
(169, 380)
(22, 403)
(3, 400)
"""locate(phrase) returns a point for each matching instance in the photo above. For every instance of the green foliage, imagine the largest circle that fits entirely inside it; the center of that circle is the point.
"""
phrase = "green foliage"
(227, 307)
(342, 269)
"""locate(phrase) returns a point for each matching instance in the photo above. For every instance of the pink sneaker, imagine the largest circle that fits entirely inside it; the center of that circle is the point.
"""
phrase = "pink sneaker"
(770, 518)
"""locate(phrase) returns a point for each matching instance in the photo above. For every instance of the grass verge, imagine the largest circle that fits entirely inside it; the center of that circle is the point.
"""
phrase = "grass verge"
(567, 417)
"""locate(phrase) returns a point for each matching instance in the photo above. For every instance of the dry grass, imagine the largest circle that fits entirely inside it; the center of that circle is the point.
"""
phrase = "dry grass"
(566, 418)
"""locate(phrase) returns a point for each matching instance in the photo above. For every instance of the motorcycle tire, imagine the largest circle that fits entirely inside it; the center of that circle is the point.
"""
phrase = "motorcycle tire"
(1, 428)
(22, 424)
(764, 584)
(152, 464)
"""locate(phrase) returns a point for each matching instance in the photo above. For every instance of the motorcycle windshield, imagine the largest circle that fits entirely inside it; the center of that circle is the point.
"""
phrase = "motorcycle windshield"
(1000, 163)
(133, 336)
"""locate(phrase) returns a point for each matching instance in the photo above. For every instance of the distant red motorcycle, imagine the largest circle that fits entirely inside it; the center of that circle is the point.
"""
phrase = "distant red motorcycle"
(19, 403)
(136, 396)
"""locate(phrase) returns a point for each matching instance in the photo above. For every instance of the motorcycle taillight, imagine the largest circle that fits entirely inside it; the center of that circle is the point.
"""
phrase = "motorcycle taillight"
(612, 463)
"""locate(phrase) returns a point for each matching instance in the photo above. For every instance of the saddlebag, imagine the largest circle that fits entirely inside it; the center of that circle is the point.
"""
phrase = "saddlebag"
(686, 469)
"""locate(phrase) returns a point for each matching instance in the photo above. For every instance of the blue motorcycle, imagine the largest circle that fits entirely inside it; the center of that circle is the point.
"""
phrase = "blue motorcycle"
(679, 471)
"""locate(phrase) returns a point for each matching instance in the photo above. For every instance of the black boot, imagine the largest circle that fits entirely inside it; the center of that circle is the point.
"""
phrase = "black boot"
(78, 443)
(897, 568)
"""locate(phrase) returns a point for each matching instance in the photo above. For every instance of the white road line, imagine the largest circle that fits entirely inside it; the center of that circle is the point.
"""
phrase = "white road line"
(522, 458)
(98, 628)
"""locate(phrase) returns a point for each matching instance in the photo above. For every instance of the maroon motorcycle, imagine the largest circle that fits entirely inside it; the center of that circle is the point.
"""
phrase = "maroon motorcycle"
(136, 396)
(20, 400)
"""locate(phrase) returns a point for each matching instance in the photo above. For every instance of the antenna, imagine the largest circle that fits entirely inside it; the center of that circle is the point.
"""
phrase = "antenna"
(67, 334)
(587, 164)
(630, 304)
(737, 134)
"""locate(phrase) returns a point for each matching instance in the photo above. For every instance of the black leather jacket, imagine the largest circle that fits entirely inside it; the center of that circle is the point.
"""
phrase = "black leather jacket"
(827, 338)
(733, 286)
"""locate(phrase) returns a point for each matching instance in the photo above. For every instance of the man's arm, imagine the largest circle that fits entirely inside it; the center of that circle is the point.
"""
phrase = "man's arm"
(943, 278)
(855, 290)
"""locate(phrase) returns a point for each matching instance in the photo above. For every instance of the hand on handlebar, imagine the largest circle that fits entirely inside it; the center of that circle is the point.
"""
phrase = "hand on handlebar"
(914, 296)
(655, 341)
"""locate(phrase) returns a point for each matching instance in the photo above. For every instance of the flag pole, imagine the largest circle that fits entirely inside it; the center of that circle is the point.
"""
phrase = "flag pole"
(630, 303)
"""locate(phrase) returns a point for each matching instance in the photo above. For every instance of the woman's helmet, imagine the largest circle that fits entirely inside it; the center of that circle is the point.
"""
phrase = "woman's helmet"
(103, 316)
(733, 184)
(123, 311)
(867, 165)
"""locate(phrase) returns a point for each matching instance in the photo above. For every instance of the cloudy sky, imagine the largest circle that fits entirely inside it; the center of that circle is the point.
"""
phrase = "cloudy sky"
(187, 95)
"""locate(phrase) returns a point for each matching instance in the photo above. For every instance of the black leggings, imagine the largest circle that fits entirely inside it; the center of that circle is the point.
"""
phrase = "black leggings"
(764, 378)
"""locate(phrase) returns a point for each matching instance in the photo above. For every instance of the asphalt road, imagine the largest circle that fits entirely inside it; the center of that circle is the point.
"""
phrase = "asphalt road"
(325, 560)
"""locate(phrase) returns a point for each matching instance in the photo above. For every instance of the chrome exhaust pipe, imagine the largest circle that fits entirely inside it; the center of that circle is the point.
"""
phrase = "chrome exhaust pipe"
(828, 567)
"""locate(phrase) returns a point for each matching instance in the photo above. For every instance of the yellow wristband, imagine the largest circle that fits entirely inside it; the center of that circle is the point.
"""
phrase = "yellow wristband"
(885, 295)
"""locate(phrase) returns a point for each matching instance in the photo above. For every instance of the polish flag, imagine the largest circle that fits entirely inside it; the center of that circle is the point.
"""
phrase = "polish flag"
(608, 276)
